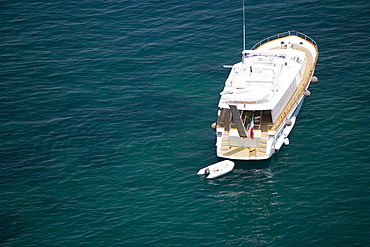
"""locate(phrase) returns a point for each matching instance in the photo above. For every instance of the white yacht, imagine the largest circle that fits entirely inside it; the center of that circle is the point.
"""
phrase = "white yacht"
(263, 95)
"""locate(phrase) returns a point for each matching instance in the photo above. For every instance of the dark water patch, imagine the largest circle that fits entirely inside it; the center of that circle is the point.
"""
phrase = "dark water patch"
(10, 226)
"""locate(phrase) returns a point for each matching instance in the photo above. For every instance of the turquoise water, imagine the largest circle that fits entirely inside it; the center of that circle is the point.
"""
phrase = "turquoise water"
(106, 109)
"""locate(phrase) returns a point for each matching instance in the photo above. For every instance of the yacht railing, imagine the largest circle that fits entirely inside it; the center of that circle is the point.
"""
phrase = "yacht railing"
(255, 127)
(285, 34)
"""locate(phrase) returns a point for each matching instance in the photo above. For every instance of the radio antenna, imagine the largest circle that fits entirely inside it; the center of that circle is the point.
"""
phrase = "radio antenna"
(244, 35)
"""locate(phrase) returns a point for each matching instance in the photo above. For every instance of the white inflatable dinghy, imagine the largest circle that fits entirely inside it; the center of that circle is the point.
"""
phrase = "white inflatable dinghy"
(217, 169)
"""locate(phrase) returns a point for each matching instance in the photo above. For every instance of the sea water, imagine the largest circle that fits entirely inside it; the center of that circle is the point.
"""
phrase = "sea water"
(106, 109)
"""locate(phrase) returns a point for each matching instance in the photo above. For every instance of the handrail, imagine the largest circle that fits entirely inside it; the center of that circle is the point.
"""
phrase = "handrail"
(285, 34)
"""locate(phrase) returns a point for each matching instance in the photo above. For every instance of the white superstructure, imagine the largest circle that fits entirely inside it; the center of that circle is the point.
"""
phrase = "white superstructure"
(263, 95)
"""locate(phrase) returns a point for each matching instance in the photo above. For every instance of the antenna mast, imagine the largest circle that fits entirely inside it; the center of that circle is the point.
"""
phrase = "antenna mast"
(243, 26)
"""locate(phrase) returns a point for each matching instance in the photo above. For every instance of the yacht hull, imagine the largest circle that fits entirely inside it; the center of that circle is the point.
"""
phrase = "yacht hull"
(263, 95)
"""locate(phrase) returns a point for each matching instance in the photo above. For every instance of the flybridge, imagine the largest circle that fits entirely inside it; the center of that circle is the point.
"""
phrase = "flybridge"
(253, 53)
(260, 75)
(259, 57)
(277, 55)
